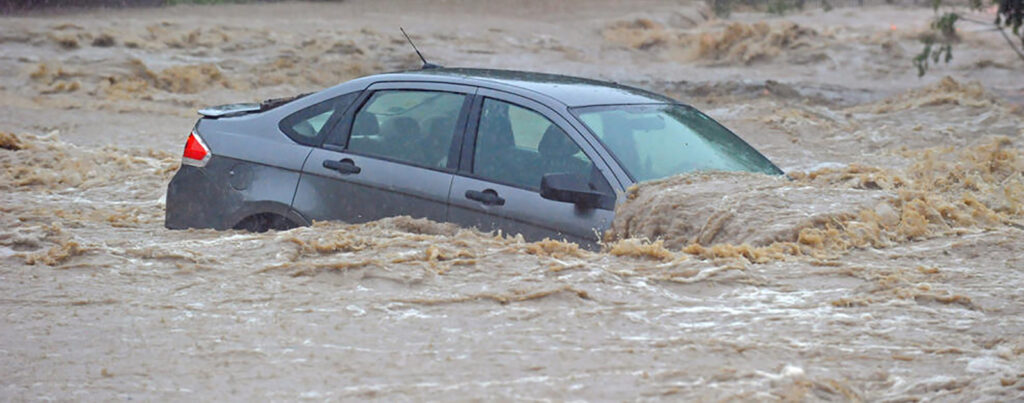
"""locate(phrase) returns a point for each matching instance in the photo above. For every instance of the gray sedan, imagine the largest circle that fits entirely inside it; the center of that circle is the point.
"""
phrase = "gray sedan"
(535, 154)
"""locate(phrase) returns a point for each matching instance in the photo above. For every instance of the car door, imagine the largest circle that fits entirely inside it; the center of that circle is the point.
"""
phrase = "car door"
(392, 154)
(510, 143)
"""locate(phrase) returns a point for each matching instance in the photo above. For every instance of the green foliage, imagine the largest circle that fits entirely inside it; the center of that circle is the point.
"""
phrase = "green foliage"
(946, 25)
(721, 8)
(938, 44)
(780, 7)
(934, 52)
(1011, 14)
(724, 8)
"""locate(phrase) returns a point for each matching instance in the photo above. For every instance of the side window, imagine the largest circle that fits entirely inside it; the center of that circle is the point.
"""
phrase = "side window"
(518, 146)
(413, 126)
(306, 125)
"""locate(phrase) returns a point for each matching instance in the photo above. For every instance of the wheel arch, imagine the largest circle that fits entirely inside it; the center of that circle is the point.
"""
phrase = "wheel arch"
(251, 209)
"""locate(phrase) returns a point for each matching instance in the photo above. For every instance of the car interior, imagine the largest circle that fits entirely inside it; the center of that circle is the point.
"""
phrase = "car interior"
(404, 139)
(420, 133)
(499, 158)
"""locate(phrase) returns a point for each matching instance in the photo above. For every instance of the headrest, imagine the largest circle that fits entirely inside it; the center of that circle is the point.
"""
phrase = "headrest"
(365, 124)
(400, 127)
(556, 144)
(439, 126)
(496, 130)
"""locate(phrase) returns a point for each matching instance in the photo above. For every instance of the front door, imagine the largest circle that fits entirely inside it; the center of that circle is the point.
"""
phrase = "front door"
(393, 155)
(511, 144)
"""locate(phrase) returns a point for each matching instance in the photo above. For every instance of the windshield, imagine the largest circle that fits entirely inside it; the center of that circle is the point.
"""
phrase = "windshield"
(657, 141)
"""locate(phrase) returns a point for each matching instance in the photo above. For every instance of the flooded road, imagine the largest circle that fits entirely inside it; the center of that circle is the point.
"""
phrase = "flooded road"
(886, 266)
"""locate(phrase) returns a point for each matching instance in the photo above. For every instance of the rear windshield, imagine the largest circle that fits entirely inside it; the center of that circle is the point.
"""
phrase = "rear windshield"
(660, 140)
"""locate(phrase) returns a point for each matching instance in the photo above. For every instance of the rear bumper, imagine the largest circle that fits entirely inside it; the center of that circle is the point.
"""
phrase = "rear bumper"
(195, 201)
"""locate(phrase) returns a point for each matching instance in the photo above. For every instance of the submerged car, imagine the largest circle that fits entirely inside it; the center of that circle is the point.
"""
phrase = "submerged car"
(535, 154)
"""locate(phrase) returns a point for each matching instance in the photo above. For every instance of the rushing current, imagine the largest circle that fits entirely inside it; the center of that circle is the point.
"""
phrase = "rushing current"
(887, 264)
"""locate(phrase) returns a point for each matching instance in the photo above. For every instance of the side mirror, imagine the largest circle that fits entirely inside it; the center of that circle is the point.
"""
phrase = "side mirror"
(566, 187)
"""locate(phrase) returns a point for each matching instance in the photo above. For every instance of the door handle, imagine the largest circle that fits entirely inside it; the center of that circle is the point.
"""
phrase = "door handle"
(345, 166)
(488, 197)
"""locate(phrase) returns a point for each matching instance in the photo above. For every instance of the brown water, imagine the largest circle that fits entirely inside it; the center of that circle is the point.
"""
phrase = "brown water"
(887, 266)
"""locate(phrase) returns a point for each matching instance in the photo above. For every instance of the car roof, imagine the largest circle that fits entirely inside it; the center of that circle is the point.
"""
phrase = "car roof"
(569, 90)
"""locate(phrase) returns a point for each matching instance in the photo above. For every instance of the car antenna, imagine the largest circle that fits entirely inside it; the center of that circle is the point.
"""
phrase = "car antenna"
(426, 64)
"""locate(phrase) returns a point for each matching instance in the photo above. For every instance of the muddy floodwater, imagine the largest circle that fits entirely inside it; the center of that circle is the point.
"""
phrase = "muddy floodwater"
(887, 265)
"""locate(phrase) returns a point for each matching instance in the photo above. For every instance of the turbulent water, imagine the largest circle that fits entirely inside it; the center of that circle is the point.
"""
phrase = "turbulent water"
(886, 265)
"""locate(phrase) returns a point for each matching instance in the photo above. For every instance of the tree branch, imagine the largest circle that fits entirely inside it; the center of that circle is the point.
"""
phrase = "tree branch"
(1012, 45)
(1001, 31)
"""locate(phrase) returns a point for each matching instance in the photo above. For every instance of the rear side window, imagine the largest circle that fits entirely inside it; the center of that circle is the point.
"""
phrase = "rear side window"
(306, 125)
(411, 126)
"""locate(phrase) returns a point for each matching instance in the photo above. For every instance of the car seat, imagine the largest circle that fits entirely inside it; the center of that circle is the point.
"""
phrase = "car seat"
(364, 126)
(494, 144)
(396, 136)
(557, 152)
(497, 156)
(432, 148)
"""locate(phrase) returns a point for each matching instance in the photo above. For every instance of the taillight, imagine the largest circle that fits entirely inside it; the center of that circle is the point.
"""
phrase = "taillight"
(196, 152)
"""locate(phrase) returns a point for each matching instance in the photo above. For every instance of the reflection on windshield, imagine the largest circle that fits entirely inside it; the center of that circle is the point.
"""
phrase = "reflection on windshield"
(657, 141)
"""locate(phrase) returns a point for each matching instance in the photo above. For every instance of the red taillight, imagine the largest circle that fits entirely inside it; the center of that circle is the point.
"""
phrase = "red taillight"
(196, 153)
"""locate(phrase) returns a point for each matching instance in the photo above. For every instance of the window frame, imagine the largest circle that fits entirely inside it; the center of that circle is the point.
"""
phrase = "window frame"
(343, 127)
(328, 125)
(468, 152)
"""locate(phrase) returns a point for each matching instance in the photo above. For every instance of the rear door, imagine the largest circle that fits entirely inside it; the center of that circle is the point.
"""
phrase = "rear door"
(510, 143)
(392, 154)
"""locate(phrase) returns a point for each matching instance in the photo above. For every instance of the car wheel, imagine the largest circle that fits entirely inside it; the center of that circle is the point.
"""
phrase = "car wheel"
(265, 222)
